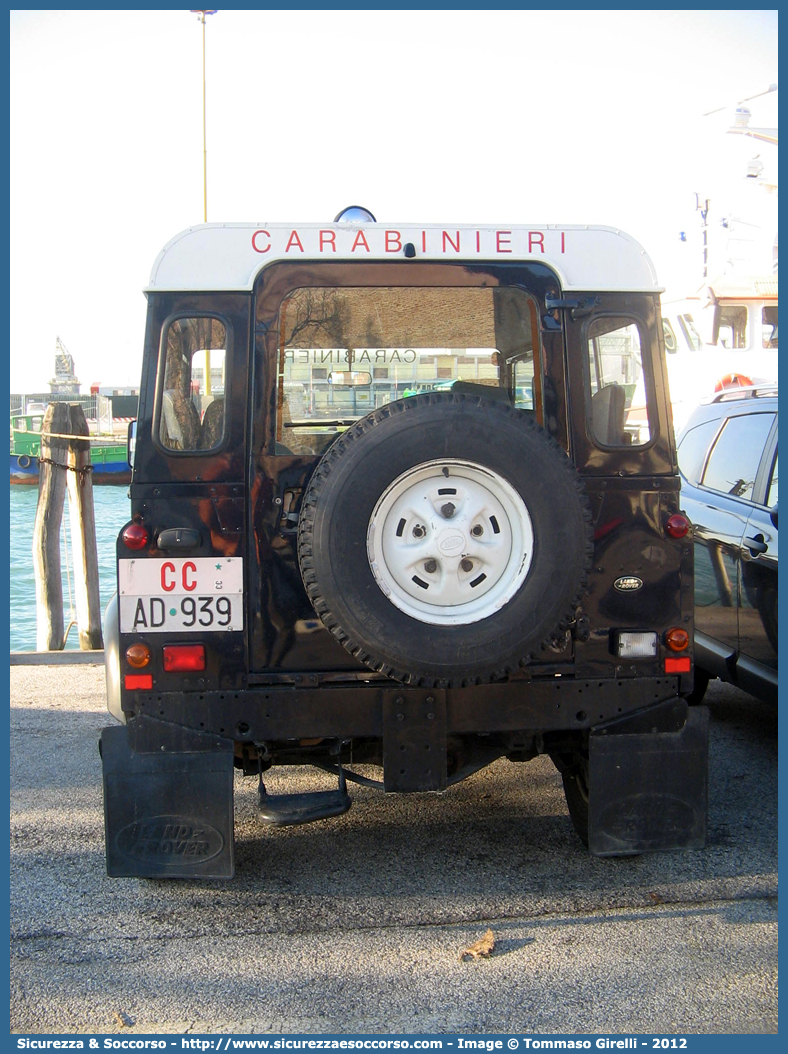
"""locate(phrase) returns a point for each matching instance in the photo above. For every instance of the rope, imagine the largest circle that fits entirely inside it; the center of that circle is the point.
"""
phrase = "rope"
(62, 435)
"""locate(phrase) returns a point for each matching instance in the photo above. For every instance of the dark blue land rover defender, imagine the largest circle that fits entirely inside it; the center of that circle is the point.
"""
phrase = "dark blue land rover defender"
(388, 509)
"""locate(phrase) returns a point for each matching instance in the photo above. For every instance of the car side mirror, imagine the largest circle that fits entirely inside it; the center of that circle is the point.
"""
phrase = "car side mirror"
(131, 443)
(773, 514)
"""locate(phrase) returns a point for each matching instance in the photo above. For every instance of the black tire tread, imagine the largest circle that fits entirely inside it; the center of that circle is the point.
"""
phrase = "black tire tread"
(702, 679)
(339, 448)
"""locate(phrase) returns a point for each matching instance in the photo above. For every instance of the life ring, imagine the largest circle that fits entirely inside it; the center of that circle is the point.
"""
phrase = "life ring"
(732, 380)
(23, 461)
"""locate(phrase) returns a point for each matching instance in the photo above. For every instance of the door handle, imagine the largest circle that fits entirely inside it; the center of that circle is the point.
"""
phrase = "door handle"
(756, 545)
(178, 538)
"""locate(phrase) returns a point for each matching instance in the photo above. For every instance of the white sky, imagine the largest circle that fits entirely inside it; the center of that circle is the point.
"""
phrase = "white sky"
(448, 116)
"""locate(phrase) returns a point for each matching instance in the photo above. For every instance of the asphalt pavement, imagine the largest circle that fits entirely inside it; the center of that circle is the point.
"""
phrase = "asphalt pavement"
(356, 924)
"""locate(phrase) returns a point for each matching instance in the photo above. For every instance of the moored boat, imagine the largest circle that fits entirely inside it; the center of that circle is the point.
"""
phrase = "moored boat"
(108, 455)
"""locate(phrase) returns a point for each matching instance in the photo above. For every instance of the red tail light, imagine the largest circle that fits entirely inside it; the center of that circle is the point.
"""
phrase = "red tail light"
(135, 536)
(677, 665)
(677, 525)
(137, 680)
(183, 657)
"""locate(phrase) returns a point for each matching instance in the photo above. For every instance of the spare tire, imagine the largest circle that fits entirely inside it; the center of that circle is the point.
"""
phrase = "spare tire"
(444, 538)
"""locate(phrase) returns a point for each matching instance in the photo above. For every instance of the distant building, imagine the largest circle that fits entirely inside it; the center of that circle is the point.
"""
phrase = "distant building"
(65, 381)
(110, 391)
(120, 402)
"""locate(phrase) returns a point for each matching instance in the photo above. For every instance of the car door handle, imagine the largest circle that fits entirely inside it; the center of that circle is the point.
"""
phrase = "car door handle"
(178, 538)
(756, 545)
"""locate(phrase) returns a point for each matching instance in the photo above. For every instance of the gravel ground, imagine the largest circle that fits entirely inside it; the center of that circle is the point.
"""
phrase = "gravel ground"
(356, 924)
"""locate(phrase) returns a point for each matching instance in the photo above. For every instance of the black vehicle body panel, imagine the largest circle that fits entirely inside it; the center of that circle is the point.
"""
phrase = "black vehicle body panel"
(285, 691)
(216, 502)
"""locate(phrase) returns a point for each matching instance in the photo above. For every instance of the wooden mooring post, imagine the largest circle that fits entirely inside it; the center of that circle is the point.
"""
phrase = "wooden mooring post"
(64, 465)
(83, 533)
(52, 473)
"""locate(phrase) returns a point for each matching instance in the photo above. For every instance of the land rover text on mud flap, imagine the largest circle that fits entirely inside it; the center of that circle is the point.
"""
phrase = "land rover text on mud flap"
(387, 510)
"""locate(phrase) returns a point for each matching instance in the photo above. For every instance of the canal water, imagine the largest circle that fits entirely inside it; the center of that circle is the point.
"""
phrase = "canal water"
(112, 511)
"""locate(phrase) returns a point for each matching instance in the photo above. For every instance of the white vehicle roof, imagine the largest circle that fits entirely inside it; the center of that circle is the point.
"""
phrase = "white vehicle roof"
(229, 256)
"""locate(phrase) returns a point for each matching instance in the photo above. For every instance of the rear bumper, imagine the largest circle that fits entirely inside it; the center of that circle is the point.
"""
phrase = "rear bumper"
(168, 791)
(303, 711)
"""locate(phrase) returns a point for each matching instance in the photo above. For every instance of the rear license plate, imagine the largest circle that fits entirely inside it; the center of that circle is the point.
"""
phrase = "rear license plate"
(203, 594)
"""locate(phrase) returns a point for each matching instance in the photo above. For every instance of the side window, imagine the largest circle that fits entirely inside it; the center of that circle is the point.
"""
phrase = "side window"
(690, 332)
(733, 326)
(619, 403)
(769, 327)
(192, 366)
(771, 499)
(693, 447)
(734, 461)
(671, 344)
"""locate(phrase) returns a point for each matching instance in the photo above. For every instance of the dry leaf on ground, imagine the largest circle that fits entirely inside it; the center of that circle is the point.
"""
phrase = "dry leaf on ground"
(482, 949)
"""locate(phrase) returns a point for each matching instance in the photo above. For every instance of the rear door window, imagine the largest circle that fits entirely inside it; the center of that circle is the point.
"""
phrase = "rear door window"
(344, 351)
(192, 381)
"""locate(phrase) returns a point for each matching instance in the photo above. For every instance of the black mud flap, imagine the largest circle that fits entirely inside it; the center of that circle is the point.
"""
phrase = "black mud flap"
(648, 789)
(168, 801)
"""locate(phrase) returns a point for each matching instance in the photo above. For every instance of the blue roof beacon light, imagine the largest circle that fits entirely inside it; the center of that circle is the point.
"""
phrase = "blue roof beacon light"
(354, 214)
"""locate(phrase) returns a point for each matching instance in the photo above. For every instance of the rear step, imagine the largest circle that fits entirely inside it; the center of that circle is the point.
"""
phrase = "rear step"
(289, 810)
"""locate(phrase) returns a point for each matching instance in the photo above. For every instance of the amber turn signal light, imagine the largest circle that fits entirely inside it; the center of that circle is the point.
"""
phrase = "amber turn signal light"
(677, 639)
(138, 655)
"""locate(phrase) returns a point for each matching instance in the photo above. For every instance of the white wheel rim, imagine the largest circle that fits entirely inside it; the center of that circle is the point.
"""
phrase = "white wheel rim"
(450, 542)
